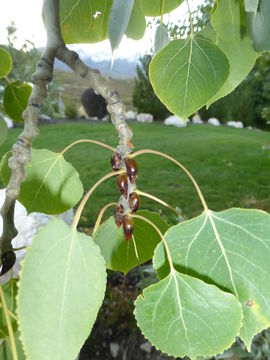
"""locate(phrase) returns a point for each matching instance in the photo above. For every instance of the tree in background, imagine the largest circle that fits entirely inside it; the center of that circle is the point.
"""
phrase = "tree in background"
(144, 98)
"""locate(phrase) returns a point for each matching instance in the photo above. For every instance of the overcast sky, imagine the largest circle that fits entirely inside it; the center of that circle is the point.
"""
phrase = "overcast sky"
(27, 16)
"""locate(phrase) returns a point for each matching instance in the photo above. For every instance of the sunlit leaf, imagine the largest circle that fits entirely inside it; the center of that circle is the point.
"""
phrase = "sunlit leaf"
(137, 23)
(186, 74)
(15, 99)
(120, 254)
(154, 8)
(52, 185)
(251, 5)
(230, 249)
(84, 21)
(5, 62)
(61, 290)
(184, 316)
(118, 21)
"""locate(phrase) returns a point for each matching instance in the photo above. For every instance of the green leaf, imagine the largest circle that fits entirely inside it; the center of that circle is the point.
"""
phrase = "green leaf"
(184, 316)
(5, 62)
(237, 46)
(153, 7)
(226, 19)
(230, 249)
(251, 5)
(10, 293)
(119, 254)
(239, 51)
(3, 131)
(186, 74)
(5, 349)
(84, 21)
(259, 26)
(52, 185)
(161, 38)
(137, 23)
(118, 21)
(61, 289)
(15, 99)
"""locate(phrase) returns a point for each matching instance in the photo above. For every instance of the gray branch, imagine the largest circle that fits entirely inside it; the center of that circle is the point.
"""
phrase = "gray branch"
(21, 151)
(114, 105)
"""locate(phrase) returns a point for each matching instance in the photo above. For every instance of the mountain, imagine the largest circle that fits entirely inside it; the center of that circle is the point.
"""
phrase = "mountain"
(122, 68)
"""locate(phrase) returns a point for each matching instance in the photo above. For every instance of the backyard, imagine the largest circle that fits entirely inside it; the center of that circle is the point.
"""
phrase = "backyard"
(230, 165)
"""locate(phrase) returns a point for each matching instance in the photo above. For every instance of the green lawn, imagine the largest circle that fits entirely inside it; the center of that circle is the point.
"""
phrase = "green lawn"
(230, 165)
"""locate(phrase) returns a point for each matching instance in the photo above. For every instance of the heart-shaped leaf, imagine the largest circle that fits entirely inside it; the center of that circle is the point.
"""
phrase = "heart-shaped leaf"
(241, 56)
(15, 99)
(52, 185)
(119, 254)
(61, 289)
(84, 21)
(230, 249)
(186, 74)
(184, 316)
(5, 62)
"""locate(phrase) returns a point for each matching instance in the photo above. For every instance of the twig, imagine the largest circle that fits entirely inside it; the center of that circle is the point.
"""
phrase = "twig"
(21, 152)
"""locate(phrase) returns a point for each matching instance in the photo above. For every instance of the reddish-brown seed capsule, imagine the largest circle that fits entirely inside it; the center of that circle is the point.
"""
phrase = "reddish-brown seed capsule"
(128, 227)
(8, 260)
(116, 161)
(122, 183)
(131, 169)
(134, 202)
(118, 215)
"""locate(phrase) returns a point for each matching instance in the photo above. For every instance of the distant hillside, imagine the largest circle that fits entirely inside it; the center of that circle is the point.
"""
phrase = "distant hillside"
(122, 68)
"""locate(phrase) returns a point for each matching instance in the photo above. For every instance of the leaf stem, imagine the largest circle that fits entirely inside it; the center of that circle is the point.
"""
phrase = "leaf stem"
(100, 215)
(162, 11)
(88, 194)
(9, 326)
(150, 196)
(190, 20)
(149, 151)
(138, 261)
(7, 79)
(161, 236)
(88, 141)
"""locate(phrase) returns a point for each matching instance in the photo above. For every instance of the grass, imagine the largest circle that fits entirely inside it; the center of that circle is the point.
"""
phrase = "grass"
(230, 165)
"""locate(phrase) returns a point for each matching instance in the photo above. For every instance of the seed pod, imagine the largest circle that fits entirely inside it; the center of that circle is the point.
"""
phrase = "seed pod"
(122, 183)
(131, 169)
(128, 226)
(116, 161)
(118, 215)
(134, 201)
(8, 260)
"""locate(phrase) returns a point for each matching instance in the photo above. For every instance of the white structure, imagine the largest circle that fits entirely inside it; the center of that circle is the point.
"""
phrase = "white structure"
(8, 121)
(214, 122)
(176, 121)
(27, 226)
(196, 119)
(236, 124)
(145, 118)
(131, 115)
